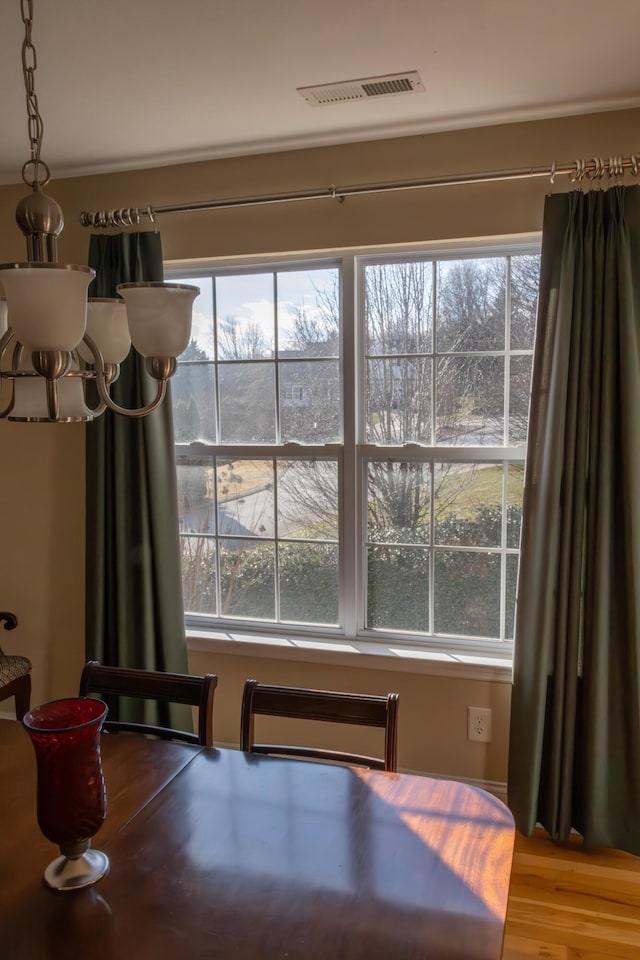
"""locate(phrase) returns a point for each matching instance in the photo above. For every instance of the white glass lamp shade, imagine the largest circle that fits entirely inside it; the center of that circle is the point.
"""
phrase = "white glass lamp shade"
(47, 303)
(30, 397)
(108, 328)
(159, 316)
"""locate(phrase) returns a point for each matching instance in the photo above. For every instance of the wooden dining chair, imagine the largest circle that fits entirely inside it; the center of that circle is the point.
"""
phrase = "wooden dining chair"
(300, 703)
(15, 673)
(152, 685)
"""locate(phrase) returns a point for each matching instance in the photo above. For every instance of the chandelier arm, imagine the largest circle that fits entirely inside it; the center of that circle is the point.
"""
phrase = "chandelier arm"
(5, 342)
(125, 411)
(53, 399)
(102, 385)
(18, 353)
(98, 410)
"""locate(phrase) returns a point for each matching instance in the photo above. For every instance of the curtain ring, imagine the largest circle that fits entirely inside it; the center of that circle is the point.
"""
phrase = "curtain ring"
(616, 166)
(579, 172)
(596, 173)
(553, 173)
(334, 195)
(634, 164)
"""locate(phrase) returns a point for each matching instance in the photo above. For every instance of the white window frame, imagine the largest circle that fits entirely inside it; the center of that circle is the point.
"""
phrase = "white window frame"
(352, 636)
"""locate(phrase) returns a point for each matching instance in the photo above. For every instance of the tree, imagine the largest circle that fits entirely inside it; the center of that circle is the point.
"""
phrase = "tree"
(399, 332)
(525, 278)
(186, 420)
(316, 333)
(238, 340)
(398, 316)
(402, 379)
(193, 398)
(310, 375)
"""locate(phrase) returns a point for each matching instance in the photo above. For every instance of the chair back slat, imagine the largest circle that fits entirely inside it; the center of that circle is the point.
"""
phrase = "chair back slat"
(325, 705)
(154, 685)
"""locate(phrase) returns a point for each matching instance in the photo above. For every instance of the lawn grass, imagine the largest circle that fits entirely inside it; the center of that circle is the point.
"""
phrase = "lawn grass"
(464, 493)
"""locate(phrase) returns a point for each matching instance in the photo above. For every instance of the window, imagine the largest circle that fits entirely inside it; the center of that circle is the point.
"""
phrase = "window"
(350, 440)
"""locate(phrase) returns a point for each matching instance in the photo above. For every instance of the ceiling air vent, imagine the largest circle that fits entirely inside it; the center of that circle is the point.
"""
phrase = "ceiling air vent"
(346, 90)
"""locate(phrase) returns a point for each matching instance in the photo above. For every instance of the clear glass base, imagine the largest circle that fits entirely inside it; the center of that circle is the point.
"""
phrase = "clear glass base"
(66, 873)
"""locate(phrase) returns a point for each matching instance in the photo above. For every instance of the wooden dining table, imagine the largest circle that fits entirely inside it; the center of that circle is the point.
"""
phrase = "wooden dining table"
(217, 853)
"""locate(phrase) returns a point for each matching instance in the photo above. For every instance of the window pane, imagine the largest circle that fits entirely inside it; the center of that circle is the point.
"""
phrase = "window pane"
(398, 588)
(245, 316)
(519, 394)
(515, 492)
(201, 346)
(309, 313)
(467, 594)
(398, 308)
(525, 277)
(247, 579)
(194, 402)
(471, 304)
(398, 502)
(512, 582)
(308, 499)
(310, 401)
(247, 403)
(399, 401)
(309, 582)
(245, 498)
(195, 498)
(470, 401)
(198, 556)
(468, 504)
(260, 536)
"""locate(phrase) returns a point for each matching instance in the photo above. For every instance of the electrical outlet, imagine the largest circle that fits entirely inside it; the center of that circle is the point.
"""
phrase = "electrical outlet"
(479, 724)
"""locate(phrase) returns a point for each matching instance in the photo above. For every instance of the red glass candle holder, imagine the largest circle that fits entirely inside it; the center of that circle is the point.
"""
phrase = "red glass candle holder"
(72, 800)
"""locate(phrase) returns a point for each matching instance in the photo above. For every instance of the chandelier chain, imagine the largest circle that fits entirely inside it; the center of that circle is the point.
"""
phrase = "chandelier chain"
(29, 65)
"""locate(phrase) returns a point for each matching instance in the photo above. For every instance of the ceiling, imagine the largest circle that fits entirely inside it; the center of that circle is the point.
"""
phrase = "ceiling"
(124, 84)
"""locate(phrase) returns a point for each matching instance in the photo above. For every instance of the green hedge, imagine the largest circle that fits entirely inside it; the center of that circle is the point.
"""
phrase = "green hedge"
(467, 584)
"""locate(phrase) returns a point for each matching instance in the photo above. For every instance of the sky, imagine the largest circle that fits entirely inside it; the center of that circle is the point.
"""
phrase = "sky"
(250, 299)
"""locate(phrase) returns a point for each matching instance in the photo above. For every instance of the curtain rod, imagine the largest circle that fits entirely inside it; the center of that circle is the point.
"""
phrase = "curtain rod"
(578, 170)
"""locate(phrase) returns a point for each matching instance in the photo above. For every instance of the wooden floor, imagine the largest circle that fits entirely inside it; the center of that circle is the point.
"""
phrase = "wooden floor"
(568, 905)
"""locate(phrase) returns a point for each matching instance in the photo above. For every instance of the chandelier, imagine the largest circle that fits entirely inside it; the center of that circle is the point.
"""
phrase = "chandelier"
(53, 339)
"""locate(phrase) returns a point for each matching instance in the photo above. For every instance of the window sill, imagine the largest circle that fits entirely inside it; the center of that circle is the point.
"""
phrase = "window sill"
(400, 658)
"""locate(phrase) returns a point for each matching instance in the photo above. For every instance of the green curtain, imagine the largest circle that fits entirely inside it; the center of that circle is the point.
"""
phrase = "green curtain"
(574, 758)
(134, 611)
